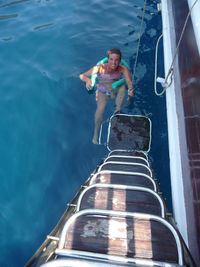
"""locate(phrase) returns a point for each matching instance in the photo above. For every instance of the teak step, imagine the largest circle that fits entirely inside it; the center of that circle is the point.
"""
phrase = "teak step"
(130, 235)
(121, 198)
(128, 153)
(123, 178)
(128, 132)
(127, 159)
(81, 260)
(128, 167)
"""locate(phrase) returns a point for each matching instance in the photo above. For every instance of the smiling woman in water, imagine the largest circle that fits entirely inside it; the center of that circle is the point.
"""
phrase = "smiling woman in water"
(107, 74)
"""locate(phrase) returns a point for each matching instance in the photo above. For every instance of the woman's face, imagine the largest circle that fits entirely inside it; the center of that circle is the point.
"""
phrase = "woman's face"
(113, 61)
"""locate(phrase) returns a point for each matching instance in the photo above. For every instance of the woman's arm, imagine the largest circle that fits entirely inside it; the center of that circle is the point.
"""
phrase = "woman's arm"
(128, 78)
(85, 77)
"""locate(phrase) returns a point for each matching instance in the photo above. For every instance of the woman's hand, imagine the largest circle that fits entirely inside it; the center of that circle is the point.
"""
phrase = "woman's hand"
(130, 91)
(89, 84)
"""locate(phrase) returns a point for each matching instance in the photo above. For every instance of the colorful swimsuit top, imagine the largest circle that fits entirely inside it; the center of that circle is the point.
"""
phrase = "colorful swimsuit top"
(117, 82)
(108, 78)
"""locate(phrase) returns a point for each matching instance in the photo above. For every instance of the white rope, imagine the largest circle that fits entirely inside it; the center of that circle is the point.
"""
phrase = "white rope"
(156, 68)
(140, 34)
(167, 84)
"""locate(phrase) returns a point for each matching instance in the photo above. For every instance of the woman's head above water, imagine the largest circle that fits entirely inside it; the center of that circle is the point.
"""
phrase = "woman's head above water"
(114, 57)
(114, 51)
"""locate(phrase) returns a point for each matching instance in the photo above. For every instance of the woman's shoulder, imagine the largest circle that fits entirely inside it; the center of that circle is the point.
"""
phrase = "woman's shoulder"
(122, 68)
(101, 68)
(98, 68)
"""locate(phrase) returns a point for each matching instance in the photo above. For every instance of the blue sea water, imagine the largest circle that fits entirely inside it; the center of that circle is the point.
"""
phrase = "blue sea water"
(46, 115)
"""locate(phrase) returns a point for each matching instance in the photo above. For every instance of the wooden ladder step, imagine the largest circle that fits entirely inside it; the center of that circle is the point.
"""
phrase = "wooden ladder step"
(123, 166)
(76, 260)
(123, 178)
(121, 198)
(127, 159)
(128, 153)
(125, 234)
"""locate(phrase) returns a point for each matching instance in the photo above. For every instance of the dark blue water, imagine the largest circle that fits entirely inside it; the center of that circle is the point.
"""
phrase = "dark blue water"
(46, 115)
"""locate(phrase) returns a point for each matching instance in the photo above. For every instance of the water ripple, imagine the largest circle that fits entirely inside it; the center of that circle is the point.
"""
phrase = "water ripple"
(5, 17)
(40, 27)
(13, 3)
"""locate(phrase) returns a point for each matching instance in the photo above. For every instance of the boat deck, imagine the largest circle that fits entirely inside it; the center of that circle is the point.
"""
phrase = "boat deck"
(188, 98)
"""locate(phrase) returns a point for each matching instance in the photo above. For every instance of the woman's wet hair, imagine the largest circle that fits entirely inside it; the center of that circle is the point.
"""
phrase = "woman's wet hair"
(114, 51)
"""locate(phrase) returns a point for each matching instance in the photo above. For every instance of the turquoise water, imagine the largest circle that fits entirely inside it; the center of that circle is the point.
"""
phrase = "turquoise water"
(46, 115)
